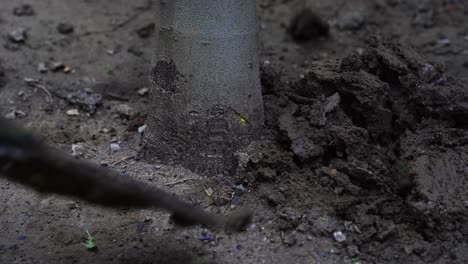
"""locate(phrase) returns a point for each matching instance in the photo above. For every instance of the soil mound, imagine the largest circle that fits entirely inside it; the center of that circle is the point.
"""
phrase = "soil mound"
(384, 133)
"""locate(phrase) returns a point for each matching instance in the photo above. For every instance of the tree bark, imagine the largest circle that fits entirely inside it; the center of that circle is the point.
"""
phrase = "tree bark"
(205, 89)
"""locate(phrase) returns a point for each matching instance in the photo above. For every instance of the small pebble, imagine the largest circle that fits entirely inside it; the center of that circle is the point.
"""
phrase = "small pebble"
(23, 10)
(77, 150)
(67, 69)
(115, 147)
(444, 41)
(10, 116)
(143, 91)
(207, 238)
(42, 68)
(145, 31)
(15, 114)
(124, 110)
(65, 28)
(141, 129)
(339, 236)
(73, 112)
(57, 66)
(18, 35)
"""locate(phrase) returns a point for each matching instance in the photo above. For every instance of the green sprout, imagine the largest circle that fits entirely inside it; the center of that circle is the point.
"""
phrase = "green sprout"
(109, 69)
(89, 242)
(355, 260)
(242, 120)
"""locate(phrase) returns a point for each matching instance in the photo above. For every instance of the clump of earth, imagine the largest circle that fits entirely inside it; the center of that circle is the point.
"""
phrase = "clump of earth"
(384, 136)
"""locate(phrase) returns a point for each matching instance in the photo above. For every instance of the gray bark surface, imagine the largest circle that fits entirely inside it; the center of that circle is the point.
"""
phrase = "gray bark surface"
(205, 87)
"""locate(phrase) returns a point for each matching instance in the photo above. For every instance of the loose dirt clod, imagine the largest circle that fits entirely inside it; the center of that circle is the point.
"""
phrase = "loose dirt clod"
(87, 100)
(307, 25)
(385, 136)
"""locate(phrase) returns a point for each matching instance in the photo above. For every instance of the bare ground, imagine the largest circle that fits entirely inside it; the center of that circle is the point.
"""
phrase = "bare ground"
(366, 137)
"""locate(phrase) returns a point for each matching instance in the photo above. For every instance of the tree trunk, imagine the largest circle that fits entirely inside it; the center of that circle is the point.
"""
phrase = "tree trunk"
(205, 89)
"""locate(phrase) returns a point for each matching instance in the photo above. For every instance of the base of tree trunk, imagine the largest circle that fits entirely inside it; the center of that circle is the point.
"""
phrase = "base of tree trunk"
(205, 95)
(202, 142)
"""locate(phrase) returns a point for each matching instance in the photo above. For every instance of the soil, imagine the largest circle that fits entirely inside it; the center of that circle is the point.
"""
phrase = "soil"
(364, 157)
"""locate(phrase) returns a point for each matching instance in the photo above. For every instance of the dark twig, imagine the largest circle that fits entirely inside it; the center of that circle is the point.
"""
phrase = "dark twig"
(28, 161)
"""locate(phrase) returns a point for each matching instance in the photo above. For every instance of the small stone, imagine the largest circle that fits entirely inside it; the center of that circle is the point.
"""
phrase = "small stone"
(42, 67)
(339, 236)
(444, 42)
(141, 129)
(209, 192)
(111, 52)
(115, 147)
(18, 35)
(20, 113)
(305, 150)
(67, 69)
(350, 226)
(207, 238)
(15, 114)
(77, 150)
(146, 31)
(143, 91)
(85, 99)
(31, 81)
(65, 28)
(57, 66)
(73, 112)
(124, 110)
(10, 116)
(23, 10)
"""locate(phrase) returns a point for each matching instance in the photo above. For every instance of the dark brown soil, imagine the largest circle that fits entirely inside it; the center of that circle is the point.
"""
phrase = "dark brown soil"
(364, 159)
